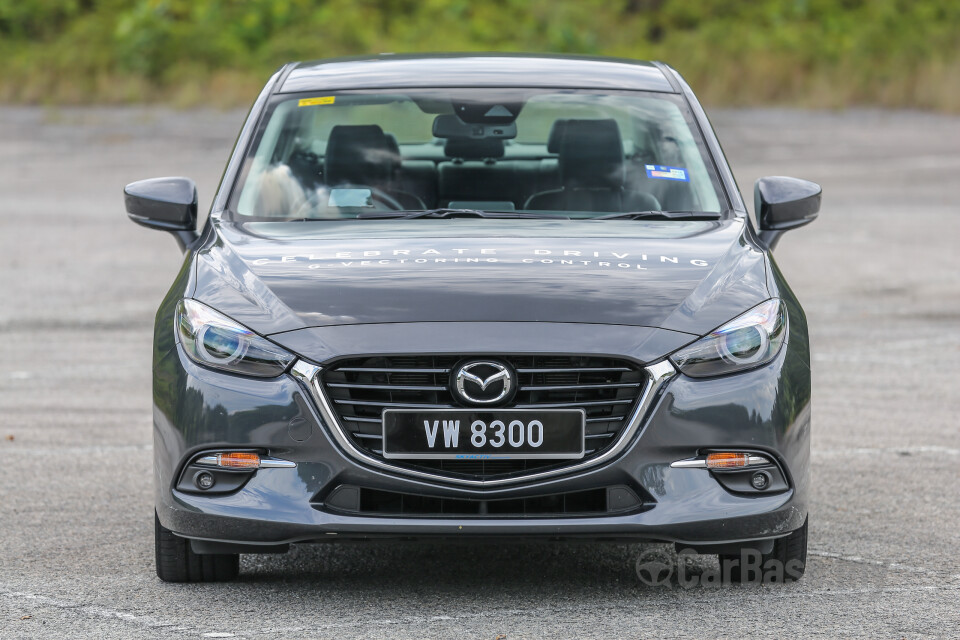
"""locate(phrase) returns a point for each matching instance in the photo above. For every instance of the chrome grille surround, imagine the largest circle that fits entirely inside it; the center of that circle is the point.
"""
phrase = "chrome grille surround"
(654, 376)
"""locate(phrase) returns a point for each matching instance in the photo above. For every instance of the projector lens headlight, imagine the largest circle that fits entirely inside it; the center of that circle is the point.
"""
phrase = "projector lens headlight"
(214, 340)
(745, 345)
(749, 340)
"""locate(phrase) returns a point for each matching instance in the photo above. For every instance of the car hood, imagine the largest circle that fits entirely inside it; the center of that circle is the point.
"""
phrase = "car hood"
(683, 276)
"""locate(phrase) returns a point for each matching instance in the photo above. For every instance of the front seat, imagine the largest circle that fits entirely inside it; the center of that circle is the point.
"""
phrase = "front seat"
(591, 171)
(362, 155)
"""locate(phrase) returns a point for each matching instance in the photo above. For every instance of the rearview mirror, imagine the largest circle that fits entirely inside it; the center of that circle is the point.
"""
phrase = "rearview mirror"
(450, 126)
(168, 204)
(782, 204)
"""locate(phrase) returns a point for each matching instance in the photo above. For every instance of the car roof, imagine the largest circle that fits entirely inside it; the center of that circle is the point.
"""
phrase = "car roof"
(475, 70)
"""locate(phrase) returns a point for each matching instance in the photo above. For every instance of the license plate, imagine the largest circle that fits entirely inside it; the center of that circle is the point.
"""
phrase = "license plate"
(470, 434)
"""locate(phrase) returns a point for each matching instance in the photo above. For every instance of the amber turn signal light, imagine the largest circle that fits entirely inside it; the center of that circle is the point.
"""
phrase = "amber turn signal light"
(238, 460)
(724, 460)
(727, 460)
(242, 460)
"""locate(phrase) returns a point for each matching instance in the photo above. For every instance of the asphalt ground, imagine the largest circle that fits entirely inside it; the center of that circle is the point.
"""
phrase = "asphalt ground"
(878, 273)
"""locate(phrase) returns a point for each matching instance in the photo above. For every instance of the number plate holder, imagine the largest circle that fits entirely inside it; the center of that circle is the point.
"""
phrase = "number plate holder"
(428, 434)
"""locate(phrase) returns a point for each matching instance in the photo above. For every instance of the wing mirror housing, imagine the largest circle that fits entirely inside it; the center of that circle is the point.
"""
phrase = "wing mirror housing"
(167, 204)
(782, 204)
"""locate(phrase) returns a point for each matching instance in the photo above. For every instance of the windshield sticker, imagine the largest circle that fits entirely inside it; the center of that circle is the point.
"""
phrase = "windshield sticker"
(667, 173)
(309, 102)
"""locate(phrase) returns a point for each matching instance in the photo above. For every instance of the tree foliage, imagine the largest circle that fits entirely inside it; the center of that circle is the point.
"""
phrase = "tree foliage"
(807, 52)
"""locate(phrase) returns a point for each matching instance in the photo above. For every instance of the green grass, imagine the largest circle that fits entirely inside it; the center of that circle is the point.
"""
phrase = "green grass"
(811, 53)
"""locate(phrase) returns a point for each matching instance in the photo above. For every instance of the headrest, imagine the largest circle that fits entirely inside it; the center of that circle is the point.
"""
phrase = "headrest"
(392, 143)
(556, 134)
(591, 154)
(473, 148)
(359, 154)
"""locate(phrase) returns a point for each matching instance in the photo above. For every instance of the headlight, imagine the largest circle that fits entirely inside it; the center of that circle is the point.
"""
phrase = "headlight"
(749, 340)
(214, 340)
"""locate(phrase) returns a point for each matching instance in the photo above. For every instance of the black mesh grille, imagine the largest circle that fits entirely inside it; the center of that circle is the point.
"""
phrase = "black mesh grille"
(606, 388)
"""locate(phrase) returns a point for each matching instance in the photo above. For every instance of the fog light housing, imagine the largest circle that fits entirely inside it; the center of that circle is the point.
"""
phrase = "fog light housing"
(204, 480)
(760, 480)
(216, 473)
(740, 471)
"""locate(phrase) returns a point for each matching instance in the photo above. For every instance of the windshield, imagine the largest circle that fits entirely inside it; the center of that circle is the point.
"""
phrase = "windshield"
(516, 152)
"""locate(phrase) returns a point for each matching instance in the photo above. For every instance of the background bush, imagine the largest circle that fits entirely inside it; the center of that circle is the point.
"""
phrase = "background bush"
(799, 52)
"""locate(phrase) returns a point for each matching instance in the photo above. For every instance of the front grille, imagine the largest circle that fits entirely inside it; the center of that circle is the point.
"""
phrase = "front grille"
(361, 388)
(365, 501)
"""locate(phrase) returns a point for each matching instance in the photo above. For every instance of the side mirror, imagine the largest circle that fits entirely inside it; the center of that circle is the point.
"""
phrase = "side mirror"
(167, 204)
(782, 204)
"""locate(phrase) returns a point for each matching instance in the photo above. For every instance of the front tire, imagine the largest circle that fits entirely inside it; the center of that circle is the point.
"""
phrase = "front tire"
(176, 561)
(785, 563)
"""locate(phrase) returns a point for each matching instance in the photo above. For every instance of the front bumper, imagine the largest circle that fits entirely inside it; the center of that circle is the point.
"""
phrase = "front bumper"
(764, 410)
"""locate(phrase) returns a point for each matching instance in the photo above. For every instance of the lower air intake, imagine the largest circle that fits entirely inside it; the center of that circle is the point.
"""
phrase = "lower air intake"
(355, 500)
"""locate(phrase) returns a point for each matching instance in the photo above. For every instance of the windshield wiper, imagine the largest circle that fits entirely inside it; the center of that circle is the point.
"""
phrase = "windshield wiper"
(447, 213)
(454, 213)
(666, 215)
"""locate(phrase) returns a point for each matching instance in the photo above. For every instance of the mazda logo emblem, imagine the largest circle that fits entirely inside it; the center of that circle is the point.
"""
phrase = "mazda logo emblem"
(483, 382)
